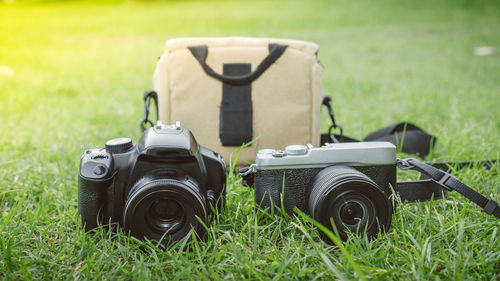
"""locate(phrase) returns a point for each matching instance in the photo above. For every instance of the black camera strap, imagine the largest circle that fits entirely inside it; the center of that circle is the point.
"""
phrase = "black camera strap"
(438, 177)
(427, 189)
(407, 136)
(435, 178)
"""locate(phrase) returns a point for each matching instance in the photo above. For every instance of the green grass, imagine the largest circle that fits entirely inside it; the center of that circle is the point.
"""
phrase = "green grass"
(79, 72)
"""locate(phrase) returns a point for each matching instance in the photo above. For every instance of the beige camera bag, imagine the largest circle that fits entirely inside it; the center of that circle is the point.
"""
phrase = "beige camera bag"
(230, 91)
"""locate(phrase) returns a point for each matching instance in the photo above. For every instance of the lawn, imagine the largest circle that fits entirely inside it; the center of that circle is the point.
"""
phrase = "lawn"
(72, 76)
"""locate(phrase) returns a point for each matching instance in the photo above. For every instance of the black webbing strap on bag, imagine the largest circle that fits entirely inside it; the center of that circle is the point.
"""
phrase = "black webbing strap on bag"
(235, 115)
(148, 95)
(407, 136)
(236, 112)
(411, 138)
(443, 179)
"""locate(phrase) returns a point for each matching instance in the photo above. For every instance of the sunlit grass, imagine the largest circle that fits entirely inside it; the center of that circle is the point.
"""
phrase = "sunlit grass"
(72, 76)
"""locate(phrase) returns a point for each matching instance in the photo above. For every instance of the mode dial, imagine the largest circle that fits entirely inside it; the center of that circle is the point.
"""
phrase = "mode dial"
(118, 145)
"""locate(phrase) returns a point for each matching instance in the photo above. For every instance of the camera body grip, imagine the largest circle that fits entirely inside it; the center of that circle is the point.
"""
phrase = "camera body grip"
(95, 182)
(92, 196)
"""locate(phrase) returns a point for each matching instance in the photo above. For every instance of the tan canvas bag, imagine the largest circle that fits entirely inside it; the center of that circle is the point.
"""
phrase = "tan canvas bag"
(230, 91)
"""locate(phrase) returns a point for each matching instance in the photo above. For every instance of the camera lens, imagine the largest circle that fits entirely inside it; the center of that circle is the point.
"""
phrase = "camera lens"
(354, 209)
(164, 209)
(352, 212)
(351, 200)
(165, 213)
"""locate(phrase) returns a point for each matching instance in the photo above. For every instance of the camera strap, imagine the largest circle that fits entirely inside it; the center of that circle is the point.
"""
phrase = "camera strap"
(437, 178)
(407, 136)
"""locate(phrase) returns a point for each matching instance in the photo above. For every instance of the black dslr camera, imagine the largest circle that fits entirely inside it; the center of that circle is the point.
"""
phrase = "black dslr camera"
(157, 189)
(347, 183)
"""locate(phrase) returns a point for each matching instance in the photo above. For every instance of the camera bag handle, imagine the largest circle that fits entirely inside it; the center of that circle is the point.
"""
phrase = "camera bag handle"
(448, 182)
(200, 52)
(236, 109)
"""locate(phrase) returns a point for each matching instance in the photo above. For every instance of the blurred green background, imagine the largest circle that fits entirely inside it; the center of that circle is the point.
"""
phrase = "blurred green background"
(72, 75)
(76, 63)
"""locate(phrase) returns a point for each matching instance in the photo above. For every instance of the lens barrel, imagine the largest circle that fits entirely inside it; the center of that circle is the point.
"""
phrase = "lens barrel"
(165, 210)
(350, 199)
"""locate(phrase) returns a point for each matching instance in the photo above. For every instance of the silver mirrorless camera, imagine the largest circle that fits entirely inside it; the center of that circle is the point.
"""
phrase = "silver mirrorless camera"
(345, 183)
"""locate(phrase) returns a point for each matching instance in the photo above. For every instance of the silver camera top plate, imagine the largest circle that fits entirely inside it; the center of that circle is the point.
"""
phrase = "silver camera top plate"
(308, 156)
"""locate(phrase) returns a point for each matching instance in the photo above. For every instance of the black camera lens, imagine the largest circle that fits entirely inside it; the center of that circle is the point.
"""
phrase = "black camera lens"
(351, 213)
(349, 199)
(164, 209)
(164, 213)
(354, 209)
